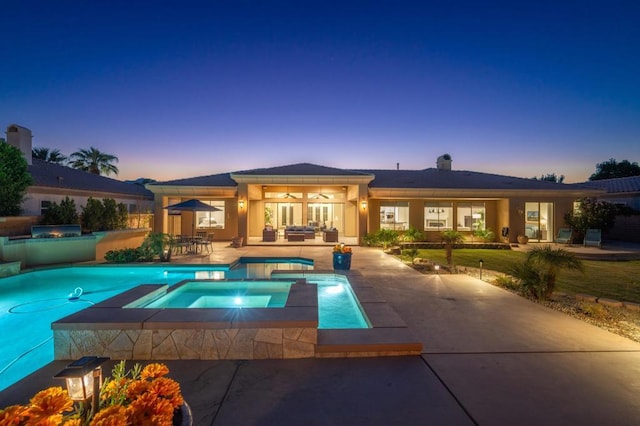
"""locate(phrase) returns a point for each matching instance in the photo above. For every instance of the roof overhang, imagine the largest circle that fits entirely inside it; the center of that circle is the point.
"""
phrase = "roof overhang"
(34, 189)
(457, 193)
(191, 191)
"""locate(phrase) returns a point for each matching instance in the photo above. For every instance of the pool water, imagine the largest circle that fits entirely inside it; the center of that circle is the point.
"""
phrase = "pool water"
(31, 301)
(224, 294)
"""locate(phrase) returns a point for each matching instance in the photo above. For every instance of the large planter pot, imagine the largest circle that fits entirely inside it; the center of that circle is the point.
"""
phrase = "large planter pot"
(523, 239)
(183, 416)
(342, 261)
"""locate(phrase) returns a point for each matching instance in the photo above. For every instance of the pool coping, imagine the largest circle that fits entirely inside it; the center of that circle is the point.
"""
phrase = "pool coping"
(113, 328)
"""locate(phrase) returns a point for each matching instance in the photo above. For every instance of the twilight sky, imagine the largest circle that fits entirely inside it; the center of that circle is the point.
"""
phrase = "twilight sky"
(182, 89)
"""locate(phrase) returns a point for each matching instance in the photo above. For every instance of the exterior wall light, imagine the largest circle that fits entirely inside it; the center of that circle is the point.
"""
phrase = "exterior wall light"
(241, 204)
(363, 204)
(83, 378)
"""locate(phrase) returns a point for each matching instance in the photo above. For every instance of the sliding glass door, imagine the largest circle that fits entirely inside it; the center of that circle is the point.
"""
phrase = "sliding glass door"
(538, 221)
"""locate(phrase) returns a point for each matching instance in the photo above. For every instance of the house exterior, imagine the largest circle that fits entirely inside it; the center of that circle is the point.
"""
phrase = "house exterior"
(53, 182)
(622, 191)
(356, 202)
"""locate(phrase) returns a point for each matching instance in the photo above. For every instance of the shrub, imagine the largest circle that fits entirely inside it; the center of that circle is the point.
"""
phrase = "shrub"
(538, 273)
(508, 282)
(104, 215)
(412, 234)
(382, 237)
(410, 253)
(127, 255)
(64, 213)
(485, 235)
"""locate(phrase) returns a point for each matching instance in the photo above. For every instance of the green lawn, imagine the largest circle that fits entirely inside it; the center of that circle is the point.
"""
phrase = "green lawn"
(616, 280)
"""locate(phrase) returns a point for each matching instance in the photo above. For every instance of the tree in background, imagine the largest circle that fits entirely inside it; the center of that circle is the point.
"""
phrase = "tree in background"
(93, 161)
(49, 155)
(551, 177)
(612, 169)
(14, 179)
(592, 214)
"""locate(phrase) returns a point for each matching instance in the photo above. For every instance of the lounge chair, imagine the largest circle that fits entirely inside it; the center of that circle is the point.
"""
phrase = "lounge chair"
(564, 236)
(593, 238)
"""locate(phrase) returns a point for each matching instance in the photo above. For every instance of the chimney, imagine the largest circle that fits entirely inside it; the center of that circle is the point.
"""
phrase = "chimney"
(444, 162)
(20, 137)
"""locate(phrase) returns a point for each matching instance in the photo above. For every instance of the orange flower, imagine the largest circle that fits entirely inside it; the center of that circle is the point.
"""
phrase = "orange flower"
(49, 404)
(115, 415)
(13, 415)
(73, 422)
(168, 389)
(153, 371)
(137, 388)
(148, 409)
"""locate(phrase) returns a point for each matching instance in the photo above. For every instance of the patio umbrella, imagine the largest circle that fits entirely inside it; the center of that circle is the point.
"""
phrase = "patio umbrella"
(193, 205)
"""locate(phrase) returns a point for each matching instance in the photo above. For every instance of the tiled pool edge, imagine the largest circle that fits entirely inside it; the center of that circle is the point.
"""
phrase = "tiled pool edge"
(107, 329)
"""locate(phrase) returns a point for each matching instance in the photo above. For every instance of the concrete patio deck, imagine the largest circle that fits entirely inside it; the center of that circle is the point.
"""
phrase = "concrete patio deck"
(489, 358)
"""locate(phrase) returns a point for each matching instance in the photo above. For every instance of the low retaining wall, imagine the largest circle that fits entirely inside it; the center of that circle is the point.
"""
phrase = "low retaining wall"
(32, 252)
(111, 329)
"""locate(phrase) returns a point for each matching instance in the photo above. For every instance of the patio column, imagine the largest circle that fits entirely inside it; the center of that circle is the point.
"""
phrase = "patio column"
(242, 206)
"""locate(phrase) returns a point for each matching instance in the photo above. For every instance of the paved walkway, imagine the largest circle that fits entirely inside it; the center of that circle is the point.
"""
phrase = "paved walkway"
(490, 358)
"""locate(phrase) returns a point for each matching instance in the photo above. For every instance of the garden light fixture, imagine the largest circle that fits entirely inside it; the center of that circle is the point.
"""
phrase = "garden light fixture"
(83, 378)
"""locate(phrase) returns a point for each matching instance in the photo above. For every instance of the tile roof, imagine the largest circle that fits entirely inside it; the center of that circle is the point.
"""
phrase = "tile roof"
(617, 185)
(387, 178)
(54, 175)
(302, 169)
(222, 179)
(457, 179)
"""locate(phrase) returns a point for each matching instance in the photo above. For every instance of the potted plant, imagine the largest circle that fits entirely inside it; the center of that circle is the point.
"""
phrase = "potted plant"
(342, 257)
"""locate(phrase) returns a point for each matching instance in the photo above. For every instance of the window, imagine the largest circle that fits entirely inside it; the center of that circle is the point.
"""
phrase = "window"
(44, 206)
(213, 219)
(438, 215)
(471, 216)
(394, 215)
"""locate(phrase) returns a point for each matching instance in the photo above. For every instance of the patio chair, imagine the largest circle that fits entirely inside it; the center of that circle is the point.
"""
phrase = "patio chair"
(593, 238)
(564, 236)
(182, 244)
(206, 242)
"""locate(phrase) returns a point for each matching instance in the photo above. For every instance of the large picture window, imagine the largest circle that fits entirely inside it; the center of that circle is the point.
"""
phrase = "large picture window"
(471, 217)
(438, 216)
(211, 219)
(394, 216)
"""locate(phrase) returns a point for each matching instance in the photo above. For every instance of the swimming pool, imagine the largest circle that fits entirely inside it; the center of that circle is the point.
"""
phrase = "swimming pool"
(222, 294)
(30, 302)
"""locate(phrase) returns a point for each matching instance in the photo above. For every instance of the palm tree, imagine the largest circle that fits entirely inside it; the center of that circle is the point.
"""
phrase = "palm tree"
(538, 274)
(450, 238)
(93, 161)
(48, 155)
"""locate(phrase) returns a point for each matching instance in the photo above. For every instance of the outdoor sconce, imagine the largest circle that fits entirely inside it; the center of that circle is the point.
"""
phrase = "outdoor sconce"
(83, 378)
(363, 204)
(241, 204)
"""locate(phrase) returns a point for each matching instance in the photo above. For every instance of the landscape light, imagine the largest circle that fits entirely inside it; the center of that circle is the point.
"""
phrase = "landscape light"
(83, 378)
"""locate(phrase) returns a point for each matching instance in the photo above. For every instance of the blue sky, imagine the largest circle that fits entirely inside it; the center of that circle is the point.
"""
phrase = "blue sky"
(181, 89)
